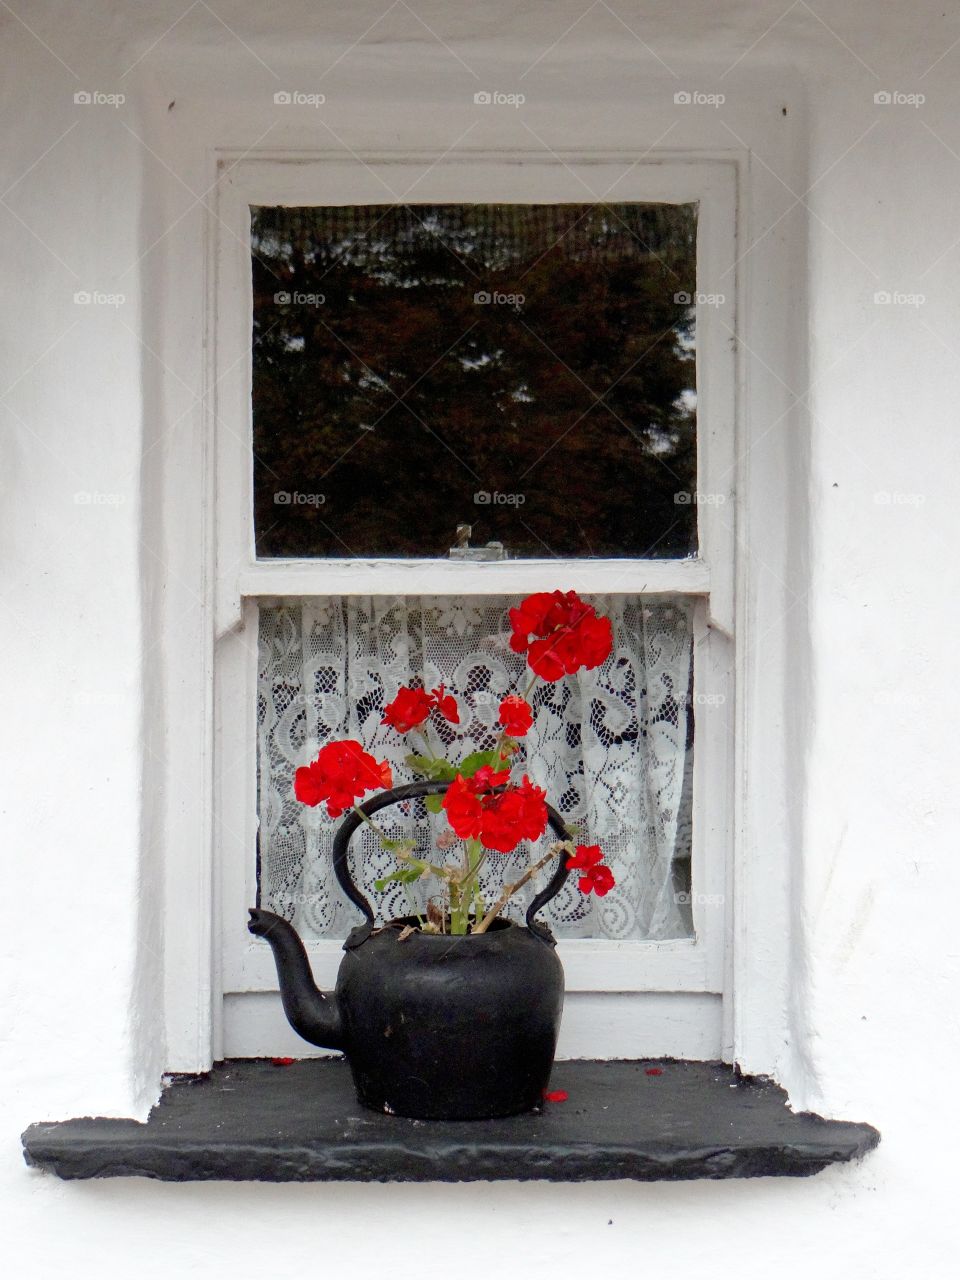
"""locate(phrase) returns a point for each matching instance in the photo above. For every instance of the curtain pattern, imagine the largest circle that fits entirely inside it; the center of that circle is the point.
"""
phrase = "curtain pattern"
(613, 748)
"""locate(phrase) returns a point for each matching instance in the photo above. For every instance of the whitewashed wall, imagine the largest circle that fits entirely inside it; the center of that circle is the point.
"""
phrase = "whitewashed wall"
(104, 199)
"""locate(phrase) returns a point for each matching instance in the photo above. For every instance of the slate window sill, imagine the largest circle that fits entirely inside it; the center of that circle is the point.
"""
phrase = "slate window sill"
(646, 1120)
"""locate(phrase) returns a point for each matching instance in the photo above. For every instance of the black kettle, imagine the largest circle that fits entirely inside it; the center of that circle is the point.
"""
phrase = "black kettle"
(434, 1026)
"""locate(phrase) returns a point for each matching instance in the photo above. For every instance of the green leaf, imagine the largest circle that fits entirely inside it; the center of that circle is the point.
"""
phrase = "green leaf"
(435, 770)
(434, 803)
(397, 846)
(403, 875)
(469, 766)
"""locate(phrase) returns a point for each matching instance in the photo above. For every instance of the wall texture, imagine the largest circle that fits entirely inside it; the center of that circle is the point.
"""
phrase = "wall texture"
(100, 198)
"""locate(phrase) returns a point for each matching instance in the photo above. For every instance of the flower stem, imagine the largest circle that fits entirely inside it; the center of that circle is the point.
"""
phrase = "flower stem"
(371, 824)
(411, 903)
(463, 886)
(510, 889)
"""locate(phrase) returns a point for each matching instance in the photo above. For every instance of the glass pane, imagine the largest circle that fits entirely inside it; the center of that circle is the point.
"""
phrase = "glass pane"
(525, 370)
(612, 747)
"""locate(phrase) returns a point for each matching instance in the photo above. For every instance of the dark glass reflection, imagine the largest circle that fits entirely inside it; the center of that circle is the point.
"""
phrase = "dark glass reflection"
(528, 370)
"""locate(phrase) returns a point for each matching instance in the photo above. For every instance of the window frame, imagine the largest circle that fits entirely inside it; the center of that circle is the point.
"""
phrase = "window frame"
(698, 965)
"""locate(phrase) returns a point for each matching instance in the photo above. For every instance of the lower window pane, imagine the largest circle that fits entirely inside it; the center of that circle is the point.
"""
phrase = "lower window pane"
(613, 748)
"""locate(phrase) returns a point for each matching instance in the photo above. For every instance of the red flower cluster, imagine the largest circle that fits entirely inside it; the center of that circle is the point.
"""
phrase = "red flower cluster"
(588, 859)
(412, 706)
(516, 715)
(561, 632)
(341, 773)
(500, 820)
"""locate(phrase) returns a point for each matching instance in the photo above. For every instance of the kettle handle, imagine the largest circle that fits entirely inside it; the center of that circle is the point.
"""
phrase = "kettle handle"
(412, 791)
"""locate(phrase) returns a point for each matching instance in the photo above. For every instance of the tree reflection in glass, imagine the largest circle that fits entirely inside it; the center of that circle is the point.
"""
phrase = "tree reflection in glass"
(528, 370)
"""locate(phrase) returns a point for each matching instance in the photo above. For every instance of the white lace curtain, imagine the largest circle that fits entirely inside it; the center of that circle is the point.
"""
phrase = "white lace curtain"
(613, 748)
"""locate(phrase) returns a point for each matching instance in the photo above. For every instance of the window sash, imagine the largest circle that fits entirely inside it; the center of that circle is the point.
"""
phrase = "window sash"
(538, 179)
(682, 965)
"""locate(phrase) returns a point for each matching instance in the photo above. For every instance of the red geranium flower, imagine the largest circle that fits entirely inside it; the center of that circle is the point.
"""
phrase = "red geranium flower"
(516, 715)
(560, 633)
(341, 773)
(446, 704)
(464, 808)
(585, 856)
(519, 813)
(413, 705)
(599, 879)
(408, 709)
(588, 859)
(486, 777)
(499, 819)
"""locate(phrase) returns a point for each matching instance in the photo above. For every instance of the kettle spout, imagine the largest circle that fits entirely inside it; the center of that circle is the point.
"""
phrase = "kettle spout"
(312, 1014)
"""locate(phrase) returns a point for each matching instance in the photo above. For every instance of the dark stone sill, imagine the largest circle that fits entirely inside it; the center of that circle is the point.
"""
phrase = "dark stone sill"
(249, 1120)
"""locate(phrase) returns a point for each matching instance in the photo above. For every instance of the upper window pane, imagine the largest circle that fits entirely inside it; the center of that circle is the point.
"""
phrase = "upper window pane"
(527, 370)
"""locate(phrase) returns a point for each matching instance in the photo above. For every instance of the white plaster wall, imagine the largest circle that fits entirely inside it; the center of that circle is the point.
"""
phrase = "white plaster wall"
(91, 797)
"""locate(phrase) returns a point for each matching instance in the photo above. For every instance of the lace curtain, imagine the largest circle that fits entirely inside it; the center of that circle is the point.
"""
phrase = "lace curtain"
(613, 748)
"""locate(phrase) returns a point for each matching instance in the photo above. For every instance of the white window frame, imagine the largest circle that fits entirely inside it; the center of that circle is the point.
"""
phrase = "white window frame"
(599, 967)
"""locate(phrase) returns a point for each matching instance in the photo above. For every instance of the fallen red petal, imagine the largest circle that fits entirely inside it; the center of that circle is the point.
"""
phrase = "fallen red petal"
(654, 1071)
(282, 1062)
(556, 1095)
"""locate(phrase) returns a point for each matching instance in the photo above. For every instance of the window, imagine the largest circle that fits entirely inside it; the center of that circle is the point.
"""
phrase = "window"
(425, 410)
